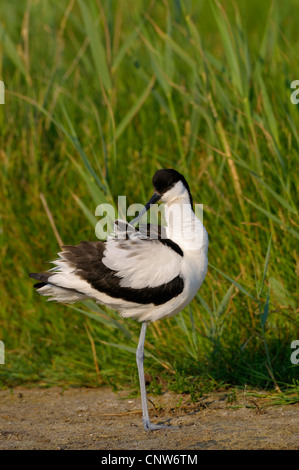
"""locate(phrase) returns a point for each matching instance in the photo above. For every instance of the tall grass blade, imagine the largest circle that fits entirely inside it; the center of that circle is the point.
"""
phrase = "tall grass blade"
(96, 308)
(276, 196)
(274, 218)
(124, 49)
(99, 318)
(135, 109)
(204, 304)
(132, 350)
(269, 111)
(97, 48)
(225, 301)
(180, 51)
(266, 310)
(88, 214)
(74, 139)
(96, 193)
(234, 282)
(11, 50)
(227, 41)
(266, 265)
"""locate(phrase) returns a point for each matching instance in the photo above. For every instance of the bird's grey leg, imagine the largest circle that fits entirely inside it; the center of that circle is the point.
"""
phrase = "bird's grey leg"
(148, 426)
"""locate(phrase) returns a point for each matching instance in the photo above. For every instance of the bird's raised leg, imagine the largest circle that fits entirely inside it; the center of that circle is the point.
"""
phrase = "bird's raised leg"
(148, 426)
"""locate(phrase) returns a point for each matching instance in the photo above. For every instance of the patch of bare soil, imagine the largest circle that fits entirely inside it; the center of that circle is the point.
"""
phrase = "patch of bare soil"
(101, 419)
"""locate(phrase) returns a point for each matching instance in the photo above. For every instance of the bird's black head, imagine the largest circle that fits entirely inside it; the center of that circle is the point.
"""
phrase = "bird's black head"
(169, 185)
(166, 179)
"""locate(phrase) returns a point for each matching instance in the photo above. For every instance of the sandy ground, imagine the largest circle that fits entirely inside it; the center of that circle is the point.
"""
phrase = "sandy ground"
(101, 419)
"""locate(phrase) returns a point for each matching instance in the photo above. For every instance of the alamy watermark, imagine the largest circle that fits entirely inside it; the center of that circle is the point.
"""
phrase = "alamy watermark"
(293, 97)
(184, 223)
(2, 92)
(295, 354)
(2, 353)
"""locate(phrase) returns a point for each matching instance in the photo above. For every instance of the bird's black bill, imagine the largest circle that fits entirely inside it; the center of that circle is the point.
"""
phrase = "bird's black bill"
(155, 198)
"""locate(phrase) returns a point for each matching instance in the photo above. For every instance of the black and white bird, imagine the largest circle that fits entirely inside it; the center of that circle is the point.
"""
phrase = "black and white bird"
(141, 276)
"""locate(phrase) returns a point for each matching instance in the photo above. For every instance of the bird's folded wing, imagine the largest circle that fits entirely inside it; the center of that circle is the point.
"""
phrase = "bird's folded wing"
(116, 272)
(142, 263)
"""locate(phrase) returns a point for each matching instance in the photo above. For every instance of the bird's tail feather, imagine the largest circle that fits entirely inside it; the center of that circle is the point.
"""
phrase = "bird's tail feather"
(57, 293)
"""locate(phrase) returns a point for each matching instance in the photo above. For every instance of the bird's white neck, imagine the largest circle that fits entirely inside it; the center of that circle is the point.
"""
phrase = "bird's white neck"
(183, 227)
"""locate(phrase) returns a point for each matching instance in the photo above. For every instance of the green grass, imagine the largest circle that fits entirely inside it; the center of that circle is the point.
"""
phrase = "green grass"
(98, 97)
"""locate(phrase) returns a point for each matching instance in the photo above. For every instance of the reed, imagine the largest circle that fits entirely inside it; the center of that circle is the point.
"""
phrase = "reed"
(99, 95)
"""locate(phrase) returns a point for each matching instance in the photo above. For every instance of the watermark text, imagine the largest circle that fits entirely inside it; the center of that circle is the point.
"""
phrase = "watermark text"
(295, 354)
(2, 353)
(294, 99)
(183, 222)
(2, 92)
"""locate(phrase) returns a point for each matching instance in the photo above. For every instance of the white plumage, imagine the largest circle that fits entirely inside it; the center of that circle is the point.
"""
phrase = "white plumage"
(140, 258)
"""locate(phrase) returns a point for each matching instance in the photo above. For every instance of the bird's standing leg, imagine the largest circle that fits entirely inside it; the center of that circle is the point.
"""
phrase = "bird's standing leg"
(148, 426)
